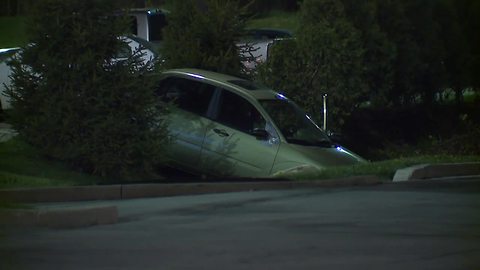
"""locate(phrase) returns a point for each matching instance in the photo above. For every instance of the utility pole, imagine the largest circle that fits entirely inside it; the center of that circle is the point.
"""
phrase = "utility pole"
(324, 97)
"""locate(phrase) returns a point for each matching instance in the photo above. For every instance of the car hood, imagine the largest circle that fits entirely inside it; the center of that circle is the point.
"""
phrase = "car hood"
(328, 156)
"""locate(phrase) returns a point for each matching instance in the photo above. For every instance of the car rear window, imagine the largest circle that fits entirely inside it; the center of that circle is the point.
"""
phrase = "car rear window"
(186, 94)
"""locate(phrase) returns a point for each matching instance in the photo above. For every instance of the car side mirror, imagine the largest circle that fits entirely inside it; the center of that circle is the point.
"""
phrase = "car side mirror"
(260, 134)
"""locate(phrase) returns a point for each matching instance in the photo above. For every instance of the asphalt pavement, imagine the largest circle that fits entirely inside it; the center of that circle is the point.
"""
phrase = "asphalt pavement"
(72, 217)
(429, 218)
(411, 225)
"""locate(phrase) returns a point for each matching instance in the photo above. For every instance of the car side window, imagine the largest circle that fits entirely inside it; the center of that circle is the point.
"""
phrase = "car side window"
(236, 112)
(189, 95)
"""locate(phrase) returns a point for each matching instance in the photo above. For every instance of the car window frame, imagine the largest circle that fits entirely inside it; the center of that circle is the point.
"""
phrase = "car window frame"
(214, 113)
(204, 84)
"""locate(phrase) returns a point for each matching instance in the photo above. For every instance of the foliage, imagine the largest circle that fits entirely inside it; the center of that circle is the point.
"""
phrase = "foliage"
(461, 144)
(386, 133)
(13, 32)
(22, 165)
(275, 19)
(15, 7)
(468, 12)
(265, 6)
(324, 58)
(428, 48)
(73, 100)
(379, 51)
(204, 35)
(401, 55)
(384, 169)
(431, 50)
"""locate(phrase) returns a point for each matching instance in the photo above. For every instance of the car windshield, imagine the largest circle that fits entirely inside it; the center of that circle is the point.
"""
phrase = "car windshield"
(295, 125)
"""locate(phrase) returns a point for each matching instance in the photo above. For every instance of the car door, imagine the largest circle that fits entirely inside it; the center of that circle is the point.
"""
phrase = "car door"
(230, 148)
(189, 101)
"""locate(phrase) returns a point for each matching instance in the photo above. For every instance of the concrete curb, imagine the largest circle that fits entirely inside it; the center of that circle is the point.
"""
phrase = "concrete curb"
(69, 217)
(66, 218)
(131, 191)
(80, 217)
(62, 194)
(161, 190)
(428, 171)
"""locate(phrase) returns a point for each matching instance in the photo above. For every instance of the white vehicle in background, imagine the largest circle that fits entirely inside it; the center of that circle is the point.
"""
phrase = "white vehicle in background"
(132, 44)
(255, 45)
(254, 52)
(5, 72)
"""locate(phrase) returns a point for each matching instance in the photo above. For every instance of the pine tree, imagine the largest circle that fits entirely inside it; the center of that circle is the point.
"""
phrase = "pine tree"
(72, 99)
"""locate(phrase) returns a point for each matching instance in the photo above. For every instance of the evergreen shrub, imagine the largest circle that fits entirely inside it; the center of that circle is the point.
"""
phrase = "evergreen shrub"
(75, 101)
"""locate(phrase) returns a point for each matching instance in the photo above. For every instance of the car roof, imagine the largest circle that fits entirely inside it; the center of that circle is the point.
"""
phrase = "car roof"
(236, 84)
(6, 53)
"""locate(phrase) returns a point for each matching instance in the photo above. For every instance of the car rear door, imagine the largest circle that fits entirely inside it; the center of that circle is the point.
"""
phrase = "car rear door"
(186, 119)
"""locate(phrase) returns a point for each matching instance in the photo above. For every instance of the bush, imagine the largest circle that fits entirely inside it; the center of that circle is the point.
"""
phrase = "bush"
(325, 58)
(386, 133)
(265, 6)
(72, 99)
(204, 35)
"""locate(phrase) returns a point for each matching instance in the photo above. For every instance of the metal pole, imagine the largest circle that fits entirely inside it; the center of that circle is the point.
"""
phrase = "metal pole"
(325, 112)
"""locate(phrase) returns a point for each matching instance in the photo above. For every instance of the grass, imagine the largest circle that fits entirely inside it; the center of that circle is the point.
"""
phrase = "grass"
(383, 169)
(276, 19)
(471, 96)
(23, 166)
(13, 31)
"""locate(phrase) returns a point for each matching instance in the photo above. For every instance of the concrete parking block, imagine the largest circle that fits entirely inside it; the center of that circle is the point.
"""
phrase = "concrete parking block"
(428, 171)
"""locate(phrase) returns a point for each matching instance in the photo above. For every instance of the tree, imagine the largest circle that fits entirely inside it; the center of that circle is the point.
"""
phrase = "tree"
(265, 6)
(73, 100)
(203, 34)
(430, 75)
(469, 12)
(457, 52)
(394, 22)
(379, 51)
(325, 58)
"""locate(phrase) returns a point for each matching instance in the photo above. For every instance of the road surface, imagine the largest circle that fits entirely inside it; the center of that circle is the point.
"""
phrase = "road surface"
(381, 227)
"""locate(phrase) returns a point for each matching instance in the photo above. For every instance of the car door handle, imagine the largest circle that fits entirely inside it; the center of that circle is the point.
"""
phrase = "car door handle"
(221, 132)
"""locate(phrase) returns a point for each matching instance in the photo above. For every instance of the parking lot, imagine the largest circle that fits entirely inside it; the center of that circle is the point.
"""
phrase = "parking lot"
(390, 226)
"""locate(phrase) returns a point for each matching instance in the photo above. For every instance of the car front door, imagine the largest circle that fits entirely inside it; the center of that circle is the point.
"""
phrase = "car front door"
(230, 147)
